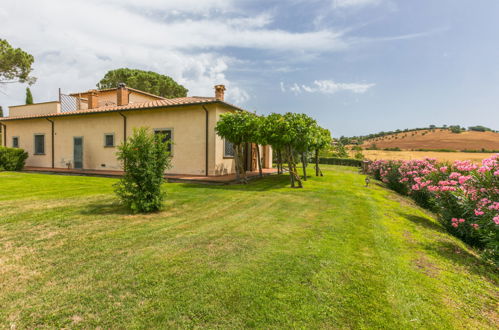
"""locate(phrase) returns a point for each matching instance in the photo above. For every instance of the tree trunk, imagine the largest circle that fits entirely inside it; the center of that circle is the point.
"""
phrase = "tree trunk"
(316, 162)
(236, 158)
(241, 165)
(293, 173)
(259, 160)
(304, 164)
(279, 161)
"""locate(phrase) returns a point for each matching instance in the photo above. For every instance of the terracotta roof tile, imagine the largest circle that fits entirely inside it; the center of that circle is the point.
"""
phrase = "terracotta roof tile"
(132, 106)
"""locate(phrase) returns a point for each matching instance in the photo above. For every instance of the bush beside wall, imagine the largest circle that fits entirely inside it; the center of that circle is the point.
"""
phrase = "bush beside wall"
(12, 159)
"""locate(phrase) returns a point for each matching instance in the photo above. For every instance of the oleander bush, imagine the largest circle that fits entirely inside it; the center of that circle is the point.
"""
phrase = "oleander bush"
(12, 159)
(465, 195)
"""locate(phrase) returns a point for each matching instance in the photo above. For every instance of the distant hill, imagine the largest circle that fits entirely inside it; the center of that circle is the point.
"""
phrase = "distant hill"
(434, 139)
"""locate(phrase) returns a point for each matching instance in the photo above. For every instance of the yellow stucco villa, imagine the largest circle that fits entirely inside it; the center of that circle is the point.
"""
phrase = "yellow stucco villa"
(81, 131)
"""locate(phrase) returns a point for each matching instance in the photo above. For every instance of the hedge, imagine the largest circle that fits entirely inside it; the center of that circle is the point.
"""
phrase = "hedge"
(341, 161)
(12, 159)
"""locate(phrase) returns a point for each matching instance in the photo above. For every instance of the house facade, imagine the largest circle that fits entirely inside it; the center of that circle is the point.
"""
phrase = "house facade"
(82, 131)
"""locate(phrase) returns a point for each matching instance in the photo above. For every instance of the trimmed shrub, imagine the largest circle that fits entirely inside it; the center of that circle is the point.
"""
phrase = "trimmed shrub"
(145, 158)
(12, 159)
(340, 161)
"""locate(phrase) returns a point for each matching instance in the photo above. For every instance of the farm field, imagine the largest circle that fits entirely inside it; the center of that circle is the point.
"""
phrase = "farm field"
(437, 139)
(332, 255)
(408, 155)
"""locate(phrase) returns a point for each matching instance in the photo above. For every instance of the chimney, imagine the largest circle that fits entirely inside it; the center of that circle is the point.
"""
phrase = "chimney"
(122, 94)
(219, 92)
(93, 99)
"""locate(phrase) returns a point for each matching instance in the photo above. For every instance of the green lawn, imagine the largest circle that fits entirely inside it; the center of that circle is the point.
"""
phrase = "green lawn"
(332, 255)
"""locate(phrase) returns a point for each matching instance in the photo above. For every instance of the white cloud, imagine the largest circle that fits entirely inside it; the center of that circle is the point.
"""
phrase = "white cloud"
(329, 87)
(295, 88)
(354, 3)
(75, 42)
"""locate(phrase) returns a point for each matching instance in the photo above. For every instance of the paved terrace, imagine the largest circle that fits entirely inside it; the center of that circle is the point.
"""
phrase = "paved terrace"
(219, 179)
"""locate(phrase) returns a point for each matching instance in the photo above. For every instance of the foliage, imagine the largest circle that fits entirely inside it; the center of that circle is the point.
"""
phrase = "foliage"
(15, 64)
(340, 161)
(358, 153)
(145, 158)
(479, 128)
(339, 151)
(29, 96)
(146, 81)
(455, 129)
(238, 128)
(12, 159)
(465, 195)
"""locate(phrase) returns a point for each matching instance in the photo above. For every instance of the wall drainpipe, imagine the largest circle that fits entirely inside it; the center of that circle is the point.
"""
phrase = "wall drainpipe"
(53, 137)
(206, 141)
(4, 129)
(124, 126)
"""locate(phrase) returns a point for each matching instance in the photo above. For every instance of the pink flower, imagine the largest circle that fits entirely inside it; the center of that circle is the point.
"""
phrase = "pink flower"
(496, 219)
(496, 173)
(479, 212)
(461, 220)
(475, 226)
(443, 169)
(464, 178)
(454, 175)
(455, 225)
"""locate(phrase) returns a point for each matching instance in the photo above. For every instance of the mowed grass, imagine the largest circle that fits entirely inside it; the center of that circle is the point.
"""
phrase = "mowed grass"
(332, 255)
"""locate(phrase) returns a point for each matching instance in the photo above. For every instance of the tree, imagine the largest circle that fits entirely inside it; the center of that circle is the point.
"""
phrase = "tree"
(236, 128)
(15, 64)
(256, 135)
(273, 128)
(146, 81)
(145, 158)
(339, 150)
(322, 140)
(29, 96)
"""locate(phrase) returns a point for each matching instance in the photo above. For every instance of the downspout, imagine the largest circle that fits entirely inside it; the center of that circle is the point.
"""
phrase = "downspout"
(53, 136)
(124, 126)
(206, 141)
(4, 129)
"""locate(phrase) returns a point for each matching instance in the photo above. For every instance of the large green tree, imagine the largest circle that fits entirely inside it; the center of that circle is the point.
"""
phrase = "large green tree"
(29, 96)
(236, 127)
(15, 64)
(146, 81)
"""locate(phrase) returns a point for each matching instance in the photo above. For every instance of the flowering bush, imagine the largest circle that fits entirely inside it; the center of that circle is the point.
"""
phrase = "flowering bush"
(465, 195)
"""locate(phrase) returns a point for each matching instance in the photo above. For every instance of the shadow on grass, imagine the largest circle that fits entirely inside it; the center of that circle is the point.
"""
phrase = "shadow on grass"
(424, 222)
(267, 183)
(452, 251)
(473, 263)
(105, 208)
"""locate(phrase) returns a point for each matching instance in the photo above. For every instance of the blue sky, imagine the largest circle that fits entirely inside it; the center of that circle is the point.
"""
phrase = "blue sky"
(357, 66)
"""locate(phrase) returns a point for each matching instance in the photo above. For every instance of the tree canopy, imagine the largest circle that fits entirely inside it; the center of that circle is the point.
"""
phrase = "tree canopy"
(15, 64)
(147, 81)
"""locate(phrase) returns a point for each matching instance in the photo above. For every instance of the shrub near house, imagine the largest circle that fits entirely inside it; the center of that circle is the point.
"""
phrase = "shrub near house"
(12, 159)
(465, 195)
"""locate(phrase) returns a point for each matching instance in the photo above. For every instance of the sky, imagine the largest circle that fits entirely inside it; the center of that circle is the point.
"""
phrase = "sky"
(356, 66)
